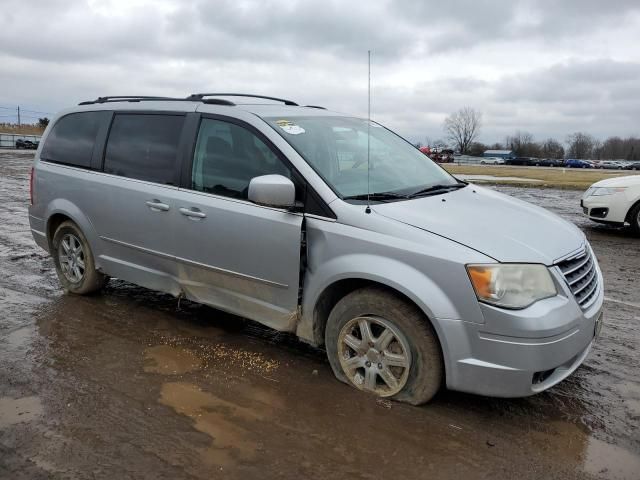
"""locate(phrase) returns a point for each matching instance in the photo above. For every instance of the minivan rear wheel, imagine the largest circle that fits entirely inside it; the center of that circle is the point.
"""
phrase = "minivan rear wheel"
(384, 345)
(74, 260)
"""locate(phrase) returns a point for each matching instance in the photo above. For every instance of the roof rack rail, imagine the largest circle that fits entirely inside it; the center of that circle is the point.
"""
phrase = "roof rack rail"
(200, 97)
(126, 98)
(315, 106)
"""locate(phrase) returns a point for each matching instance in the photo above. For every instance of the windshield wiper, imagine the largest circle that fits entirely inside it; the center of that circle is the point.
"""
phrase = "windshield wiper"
(436, 190)
(377, 196)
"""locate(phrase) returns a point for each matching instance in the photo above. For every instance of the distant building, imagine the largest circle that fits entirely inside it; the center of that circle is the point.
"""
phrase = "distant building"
(499, 153)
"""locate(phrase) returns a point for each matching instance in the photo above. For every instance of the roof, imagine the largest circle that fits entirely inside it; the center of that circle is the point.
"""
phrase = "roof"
(259, 105)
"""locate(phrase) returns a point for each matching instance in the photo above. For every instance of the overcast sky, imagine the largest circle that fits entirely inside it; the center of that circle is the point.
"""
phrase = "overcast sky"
(543, 66)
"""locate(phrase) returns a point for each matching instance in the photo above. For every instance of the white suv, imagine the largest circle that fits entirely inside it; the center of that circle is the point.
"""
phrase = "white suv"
(614, 201)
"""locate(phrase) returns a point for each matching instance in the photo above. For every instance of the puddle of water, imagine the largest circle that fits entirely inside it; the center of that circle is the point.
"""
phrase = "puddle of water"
(218, 418)
(570, 443)
(170, 360)
(610, 461)
(19, 410)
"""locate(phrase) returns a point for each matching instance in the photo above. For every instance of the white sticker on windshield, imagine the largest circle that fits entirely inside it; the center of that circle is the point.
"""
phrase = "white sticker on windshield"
(290, 127)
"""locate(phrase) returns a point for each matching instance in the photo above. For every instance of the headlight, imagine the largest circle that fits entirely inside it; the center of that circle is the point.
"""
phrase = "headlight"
(598, 191)
(511, 285)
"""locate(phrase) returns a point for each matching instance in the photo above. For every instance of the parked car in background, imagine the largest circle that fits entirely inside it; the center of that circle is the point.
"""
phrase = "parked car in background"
(577, 163)
(549, 162)
(26, 144)
(632, 166)
(492, 161)
(614, 201)
(611, 164)
(518, 161)
(438, 155)
(410, 278)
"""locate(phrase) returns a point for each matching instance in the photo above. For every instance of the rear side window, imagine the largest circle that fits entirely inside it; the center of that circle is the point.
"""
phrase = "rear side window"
(144, 146)
(73, 137)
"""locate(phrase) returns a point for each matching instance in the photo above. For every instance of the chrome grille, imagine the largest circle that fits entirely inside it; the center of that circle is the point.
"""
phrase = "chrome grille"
(581, 275)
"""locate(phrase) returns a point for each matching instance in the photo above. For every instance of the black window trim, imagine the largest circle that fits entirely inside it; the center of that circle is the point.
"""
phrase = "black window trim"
(193, 126)
(177, 168)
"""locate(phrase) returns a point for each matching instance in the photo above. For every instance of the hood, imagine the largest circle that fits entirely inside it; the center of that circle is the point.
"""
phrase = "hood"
(628, 181)
(497, 225)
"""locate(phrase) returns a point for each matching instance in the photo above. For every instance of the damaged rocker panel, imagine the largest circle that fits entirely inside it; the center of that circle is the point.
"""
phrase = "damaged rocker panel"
(195, 264)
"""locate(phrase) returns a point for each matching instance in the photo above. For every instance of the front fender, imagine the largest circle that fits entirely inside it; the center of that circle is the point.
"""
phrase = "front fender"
(397, 275)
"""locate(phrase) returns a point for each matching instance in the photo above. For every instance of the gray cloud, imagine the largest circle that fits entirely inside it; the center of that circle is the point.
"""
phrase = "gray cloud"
(540, 65)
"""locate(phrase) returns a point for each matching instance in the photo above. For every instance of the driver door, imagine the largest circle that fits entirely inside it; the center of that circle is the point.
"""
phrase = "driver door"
(231, 253)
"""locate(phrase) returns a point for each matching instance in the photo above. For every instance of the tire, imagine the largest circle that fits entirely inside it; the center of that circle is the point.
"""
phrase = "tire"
(75, 268)
(633, 217)
(414, 344)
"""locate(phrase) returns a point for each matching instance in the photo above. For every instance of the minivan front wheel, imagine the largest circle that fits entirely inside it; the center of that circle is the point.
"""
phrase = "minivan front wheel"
(74, 261)
(384, 345)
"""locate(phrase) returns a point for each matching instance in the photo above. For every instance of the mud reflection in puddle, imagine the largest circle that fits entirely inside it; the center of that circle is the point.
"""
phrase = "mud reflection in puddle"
(170, 360)
(19, 410)
(224, 421)
(610, 461)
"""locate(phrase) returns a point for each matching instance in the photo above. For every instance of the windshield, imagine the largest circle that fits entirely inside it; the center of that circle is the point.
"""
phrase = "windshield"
(336, 147)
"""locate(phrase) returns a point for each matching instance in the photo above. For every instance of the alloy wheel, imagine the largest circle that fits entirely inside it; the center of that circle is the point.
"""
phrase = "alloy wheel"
(71, 256)
(374, 355)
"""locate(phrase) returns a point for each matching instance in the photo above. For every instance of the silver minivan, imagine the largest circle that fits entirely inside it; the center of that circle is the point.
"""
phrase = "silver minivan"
(325, 225)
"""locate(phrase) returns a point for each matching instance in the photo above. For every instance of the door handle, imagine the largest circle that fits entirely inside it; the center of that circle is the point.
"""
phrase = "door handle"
(192, 213)
(157, 206)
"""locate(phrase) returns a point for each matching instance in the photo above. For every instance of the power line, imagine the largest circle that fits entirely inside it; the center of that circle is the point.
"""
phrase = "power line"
(35, 111)
(25, 110)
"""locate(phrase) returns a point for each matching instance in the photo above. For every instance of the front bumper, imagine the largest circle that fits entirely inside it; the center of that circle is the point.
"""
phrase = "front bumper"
(536, 348)
(614, 207)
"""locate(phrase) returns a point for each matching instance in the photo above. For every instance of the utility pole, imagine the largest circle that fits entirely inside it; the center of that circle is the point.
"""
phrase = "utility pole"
(18, 115)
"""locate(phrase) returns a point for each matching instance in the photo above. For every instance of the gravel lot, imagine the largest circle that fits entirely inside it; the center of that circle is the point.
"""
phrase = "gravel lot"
(131, 384)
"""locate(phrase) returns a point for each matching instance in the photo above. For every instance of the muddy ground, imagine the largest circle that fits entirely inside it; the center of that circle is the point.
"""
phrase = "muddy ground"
(129, 384)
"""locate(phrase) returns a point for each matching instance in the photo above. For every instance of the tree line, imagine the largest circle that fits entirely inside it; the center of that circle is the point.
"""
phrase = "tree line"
(463, 127)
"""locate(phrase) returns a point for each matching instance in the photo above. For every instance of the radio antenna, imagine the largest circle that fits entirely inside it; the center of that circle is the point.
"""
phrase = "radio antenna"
(368, 209)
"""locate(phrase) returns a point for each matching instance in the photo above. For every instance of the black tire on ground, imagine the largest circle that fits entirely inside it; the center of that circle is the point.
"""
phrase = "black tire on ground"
(426, 371)
(92, 280)
(633, 217)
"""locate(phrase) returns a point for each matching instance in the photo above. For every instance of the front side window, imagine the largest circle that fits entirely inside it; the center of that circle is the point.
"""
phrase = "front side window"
(228, 156)
(73, 137)
(144, 147)
(337, 148)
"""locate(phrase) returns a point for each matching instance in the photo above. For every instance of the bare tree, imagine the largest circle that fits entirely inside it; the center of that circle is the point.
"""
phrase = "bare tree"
(462, 128)
(522, 144)
(551, 148)
(580, 145)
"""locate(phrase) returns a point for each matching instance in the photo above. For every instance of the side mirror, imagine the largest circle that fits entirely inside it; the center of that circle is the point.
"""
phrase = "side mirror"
(272, 191)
